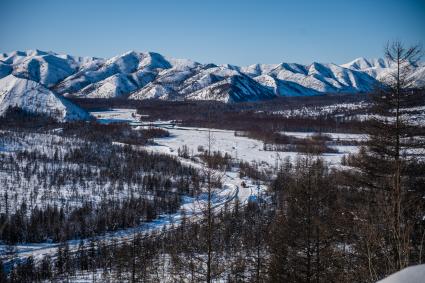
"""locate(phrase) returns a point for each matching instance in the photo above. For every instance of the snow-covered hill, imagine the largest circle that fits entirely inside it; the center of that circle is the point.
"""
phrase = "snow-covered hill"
(204, 82)
(33, 97)
(380, 68)
(47, 68)
(139, 75)
(297, 80)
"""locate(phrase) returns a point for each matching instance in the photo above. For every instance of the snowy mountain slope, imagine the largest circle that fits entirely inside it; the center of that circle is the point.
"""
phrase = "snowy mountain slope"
(204, 82)
(5, 69)
(236, 88)
(124, 73)
(117, 85)
(285, 87)
(47, 68)
(380, 68)
(144, 75)
(253, 70)
(297, 79)
(362, 63)
(32, 97)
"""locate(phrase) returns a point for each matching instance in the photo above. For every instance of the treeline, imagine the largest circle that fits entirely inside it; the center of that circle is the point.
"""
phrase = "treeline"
(278, 103)
(17, 118)
(274, 141)
(240, 117)
(117, 132)
(59, 224)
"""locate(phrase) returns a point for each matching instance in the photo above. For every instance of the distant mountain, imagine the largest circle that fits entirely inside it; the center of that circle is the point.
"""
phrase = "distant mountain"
(204, 82)
(290, 79)
(138, 75)
(380, 68)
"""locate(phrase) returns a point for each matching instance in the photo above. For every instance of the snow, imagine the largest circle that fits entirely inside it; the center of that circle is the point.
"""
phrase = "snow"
(326, 110)
(203, 83)
(258, 69)
(32, 97)
(121, 115)
(112, 87)
(241, 148)
(47, 68)
(192, 207)
(412, 274)
(380, 69)
(292, 79)
(334, 136)
(145, 75)
(285, 87)
(362, 63)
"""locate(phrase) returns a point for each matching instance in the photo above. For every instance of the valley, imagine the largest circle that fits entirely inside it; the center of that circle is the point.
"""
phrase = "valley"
(148, 159)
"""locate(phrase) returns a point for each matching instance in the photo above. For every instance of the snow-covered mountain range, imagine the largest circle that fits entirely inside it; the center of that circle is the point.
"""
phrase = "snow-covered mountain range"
(380, 68)
(137, 75)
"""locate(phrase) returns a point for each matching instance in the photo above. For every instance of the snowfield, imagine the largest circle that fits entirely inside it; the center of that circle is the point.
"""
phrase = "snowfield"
(241, 148)
(117, 116)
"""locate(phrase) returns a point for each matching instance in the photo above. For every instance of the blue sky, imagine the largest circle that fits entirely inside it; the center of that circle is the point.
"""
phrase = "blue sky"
(238, 32)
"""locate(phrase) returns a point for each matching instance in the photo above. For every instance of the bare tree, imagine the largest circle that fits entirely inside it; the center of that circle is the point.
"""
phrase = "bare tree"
(388, 166)
(201, 258)
(213, 179)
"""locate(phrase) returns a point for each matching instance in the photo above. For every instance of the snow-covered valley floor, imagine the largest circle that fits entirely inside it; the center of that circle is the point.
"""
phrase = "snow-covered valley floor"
(226, 141)
(191, 207)
(240, 148)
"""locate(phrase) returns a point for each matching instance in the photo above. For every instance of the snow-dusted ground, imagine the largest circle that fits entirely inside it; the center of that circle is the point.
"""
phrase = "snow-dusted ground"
(334, 136)
(192, 207)
(222, 140)
(241, 148)
(117, 116)
(316, 111)
(412, 274)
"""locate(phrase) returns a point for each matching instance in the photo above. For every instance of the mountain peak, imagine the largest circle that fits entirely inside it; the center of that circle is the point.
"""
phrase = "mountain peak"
(141, 75)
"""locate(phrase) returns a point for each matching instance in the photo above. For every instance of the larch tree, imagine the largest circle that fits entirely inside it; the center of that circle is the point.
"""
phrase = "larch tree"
(388, 174)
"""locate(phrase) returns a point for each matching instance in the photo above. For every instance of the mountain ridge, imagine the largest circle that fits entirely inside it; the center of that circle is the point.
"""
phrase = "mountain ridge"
(150, 75)
(32, 97)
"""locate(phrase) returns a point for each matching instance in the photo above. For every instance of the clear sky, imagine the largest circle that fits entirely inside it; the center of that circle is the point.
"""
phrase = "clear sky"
(238, 32)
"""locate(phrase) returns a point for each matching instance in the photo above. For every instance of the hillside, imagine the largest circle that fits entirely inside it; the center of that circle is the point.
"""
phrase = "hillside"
(147, 75)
